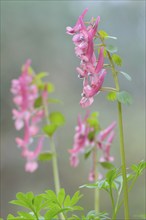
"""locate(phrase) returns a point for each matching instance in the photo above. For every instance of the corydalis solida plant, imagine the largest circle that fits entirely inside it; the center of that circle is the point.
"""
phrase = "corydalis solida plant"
(27, 116)
(91, 69)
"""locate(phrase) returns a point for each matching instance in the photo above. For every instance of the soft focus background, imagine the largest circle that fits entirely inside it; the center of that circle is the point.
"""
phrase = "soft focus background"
(36, 30)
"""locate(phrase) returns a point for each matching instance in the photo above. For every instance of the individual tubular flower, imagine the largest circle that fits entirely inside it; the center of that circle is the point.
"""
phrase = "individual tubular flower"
(104, 141)
(26, 116)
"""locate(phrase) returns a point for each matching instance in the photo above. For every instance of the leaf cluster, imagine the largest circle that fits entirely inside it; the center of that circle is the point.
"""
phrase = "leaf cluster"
(48, 203)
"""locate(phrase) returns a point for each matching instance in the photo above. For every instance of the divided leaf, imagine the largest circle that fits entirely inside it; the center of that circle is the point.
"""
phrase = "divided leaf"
(124, 97)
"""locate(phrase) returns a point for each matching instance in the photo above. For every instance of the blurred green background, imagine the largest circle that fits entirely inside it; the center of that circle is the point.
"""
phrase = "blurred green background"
(36, 30)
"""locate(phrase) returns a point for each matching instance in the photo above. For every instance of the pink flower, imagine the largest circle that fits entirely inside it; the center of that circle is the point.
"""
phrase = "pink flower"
(26, 116)
(31, 166)
(79, 24)
(90, 68)
(104, 133)
(84, 142)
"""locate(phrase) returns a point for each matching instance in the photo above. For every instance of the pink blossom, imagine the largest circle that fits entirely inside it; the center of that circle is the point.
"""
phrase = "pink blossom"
(104, 133)
(82, 142)
(79, 24)
(26, 116)
(90, 68)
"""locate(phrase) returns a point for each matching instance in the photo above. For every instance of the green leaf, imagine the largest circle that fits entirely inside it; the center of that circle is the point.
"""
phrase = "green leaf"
(124, 97)
(76, 197)
(11, 217)
(49, 129)
(117, 59)
(127, 76)
(111, 37)
(50, 87)
(93, 120)
(25, 215)
(90, 186)
(102, 33)
(38, 102)
(54, 101)
(111, 48)
(57, 118)
(41, 75)
(138, 169)
(112, 96)
(61, 196)
(111, 175)
(45, 156)
(88, 153)
(107, 165)
(67, 201)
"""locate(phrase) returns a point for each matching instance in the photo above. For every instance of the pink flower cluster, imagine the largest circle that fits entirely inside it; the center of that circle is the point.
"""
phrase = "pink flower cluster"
(102, 141)
(26, 116)
(91, 69)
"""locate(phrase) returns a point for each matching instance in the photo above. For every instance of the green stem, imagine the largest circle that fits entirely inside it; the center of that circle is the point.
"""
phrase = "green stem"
(122, 150)
(55, 166)
(112, 198)
(96, 202)
(54, 158)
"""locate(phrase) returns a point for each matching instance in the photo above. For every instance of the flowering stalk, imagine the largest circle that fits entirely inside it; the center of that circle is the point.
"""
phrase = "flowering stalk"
(95, 160)
(53, 149)
(121, 135)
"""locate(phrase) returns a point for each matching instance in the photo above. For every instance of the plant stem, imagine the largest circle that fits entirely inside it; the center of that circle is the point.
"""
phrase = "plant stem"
(55, 166)
(96, 202)
(54, 158)
(121, 134)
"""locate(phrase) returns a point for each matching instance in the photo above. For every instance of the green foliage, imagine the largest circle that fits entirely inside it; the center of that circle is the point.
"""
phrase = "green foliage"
(117, 59)
(102, 33)
(38, 102)
(93, 215)
(111, 48)
(57, 118)
(61, 203)
(107, 165)
(50, 87)
(50, 100)
(138, 169)
(48, 203)
(126, 75)
(45, 156)
(49, 129)
(93, 120)
(112, 96)
(124, 97)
